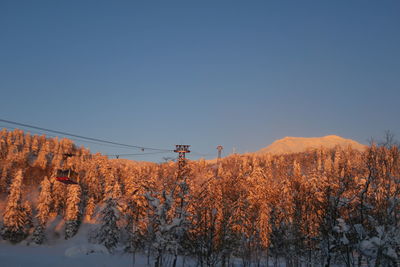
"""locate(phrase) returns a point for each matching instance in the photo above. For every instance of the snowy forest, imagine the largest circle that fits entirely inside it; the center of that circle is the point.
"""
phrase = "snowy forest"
(337, 207)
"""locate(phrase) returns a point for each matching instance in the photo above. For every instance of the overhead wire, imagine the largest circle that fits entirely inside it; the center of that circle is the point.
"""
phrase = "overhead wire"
(75, 154)
(96, 141)
(83, 137)
(54, 136)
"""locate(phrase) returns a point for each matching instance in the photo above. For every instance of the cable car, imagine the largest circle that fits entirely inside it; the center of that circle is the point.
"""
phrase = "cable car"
(66, 176)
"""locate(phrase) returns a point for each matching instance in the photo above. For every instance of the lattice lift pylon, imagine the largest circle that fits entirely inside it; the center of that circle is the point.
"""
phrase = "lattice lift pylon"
(219, 148)
(181, 150)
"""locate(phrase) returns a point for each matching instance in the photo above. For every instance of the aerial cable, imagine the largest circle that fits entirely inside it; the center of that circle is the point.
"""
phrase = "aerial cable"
(108, 155)
(54, 136)
(75, 154)
(83, 137)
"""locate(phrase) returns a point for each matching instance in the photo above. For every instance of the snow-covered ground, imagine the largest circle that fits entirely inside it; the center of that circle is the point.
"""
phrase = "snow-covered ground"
(78, 251)
(61, 255)
(73, 255)
(69, 254)
(75, 252)
(57, 251)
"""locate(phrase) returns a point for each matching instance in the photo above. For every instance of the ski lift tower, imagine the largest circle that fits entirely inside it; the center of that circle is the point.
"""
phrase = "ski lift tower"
(219, 148)
(182, 150)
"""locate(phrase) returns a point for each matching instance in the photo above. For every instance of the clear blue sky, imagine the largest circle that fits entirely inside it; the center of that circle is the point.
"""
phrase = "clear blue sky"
(237, 73)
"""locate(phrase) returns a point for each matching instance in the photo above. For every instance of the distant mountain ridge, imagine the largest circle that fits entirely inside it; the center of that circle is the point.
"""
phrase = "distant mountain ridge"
(289, 145)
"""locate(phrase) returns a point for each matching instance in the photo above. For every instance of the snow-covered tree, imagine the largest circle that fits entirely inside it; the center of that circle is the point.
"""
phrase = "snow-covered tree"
(27, 210)
(90, 208)
(108, 233)
(38, 235)
(166, 230)
(72, 213)
(59, 196)
(44, 201)
(158, 227)
(14, 225)
(43, 210)
(41, 160)
(116, 191)
(5, 177)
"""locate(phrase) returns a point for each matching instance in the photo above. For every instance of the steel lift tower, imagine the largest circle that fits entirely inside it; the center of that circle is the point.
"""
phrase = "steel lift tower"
(181, 150)
(219, 148)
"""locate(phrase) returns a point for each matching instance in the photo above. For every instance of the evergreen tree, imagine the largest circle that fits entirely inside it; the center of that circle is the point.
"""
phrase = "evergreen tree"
(108, 233)
(90, 208)
(116, 191)
(43, 210)
(14, 215)
(27, 210)
(41, 160)
(5, 177)
(166, 230)
(38, 235)
(44, 201)
(72, 214)
(59, 197)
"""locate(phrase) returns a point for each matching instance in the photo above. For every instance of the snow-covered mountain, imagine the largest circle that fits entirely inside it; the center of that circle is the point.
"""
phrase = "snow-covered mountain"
(299, 144)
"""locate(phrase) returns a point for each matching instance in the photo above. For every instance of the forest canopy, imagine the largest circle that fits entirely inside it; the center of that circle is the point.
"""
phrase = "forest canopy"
(321, 206)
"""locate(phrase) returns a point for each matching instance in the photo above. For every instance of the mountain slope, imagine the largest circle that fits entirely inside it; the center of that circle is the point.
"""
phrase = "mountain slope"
(299, 144)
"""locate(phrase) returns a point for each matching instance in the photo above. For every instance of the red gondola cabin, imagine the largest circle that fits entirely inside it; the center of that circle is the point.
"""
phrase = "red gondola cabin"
(66, 176)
